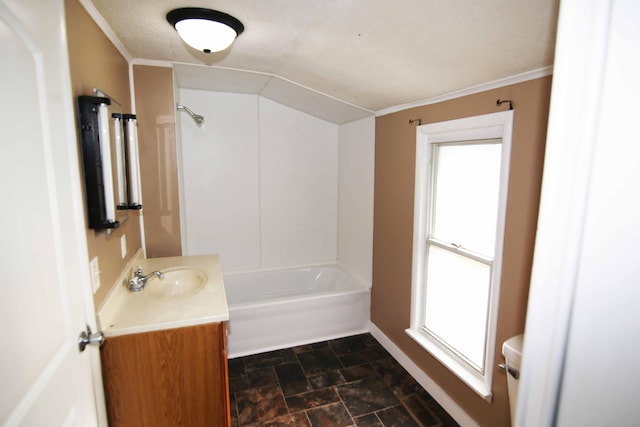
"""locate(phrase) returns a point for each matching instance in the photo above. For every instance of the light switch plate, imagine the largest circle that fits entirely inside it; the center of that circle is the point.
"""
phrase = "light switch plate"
(95, 274)
(123, 246)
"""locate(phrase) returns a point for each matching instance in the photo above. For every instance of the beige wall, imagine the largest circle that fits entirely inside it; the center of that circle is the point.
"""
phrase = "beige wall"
(393, 229)
(155, 110)
(95, 62)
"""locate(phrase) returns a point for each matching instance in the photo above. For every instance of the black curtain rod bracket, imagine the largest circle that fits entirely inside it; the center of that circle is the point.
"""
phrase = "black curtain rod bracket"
(501, 101)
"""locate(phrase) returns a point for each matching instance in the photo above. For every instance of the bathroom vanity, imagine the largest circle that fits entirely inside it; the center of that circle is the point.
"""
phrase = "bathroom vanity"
(164, 360)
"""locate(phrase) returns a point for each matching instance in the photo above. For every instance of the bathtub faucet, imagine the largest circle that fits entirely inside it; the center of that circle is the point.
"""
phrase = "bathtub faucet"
(139, 280)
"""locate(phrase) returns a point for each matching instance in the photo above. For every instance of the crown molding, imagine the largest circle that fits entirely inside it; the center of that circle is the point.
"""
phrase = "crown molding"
(495, 84)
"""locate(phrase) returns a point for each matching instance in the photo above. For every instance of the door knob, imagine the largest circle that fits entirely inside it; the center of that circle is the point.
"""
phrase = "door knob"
(87, 338)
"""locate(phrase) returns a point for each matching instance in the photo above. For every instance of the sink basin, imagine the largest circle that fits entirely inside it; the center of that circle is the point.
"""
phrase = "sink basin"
(177, 282)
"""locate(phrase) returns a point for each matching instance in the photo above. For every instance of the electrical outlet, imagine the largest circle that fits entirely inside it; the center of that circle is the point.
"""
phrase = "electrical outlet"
(123, 245)
(95, 274)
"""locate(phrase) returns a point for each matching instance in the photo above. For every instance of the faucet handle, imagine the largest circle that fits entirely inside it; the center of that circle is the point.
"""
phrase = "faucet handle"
(139, 271)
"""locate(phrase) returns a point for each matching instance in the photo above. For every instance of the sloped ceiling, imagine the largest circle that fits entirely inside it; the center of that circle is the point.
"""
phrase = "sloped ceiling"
(373, 54)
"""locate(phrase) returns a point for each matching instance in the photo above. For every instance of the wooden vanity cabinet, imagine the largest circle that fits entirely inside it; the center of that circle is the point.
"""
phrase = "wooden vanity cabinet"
(175, 377)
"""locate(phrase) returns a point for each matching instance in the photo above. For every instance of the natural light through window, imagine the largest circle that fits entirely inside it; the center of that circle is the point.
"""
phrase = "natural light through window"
(460, 205)
(460, 244)
(456, 303)
(467, 183)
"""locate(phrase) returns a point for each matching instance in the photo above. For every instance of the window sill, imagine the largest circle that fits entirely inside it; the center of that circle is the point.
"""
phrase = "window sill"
(471, 378)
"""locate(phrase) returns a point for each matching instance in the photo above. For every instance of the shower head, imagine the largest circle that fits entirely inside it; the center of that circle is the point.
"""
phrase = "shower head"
(196, 117)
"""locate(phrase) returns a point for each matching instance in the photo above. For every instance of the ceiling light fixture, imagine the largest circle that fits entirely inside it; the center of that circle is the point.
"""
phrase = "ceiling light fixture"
(205, 29)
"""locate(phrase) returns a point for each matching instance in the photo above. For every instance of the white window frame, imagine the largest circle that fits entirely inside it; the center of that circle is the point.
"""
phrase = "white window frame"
(487, 126)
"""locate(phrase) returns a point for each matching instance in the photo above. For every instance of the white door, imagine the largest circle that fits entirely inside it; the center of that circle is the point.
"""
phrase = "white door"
(580, 365)
(45, 301)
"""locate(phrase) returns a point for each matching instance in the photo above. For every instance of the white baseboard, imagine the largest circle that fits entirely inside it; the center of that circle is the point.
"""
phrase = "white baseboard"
(424, 380)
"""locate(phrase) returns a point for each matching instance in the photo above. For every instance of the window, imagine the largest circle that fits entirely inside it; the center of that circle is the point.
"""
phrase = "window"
(462, 171)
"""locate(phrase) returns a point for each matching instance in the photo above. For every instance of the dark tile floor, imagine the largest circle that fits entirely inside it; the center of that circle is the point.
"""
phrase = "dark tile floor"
(349, 381)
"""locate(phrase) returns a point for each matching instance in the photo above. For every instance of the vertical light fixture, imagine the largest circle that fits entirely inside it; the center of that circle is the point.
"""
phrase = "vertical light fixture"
(206, 30)
(105, 157)
(120, 156)
(134, 165)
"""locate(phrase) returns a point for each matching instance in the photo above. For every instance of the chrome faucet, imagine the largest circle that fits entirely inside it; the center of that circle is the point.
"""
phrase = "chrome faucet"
(139, 280)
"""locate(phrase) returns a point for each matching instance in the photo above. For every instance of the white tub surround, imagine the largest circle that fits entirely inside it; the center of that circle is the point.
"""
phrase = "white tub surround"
(259, 182)
(275, 309)
(356, 159)
(125, 312)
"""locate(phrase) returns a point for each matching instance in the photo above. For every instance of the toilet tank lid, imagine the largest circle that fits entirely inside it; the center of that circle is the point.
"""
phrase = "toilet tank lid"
(512, 350)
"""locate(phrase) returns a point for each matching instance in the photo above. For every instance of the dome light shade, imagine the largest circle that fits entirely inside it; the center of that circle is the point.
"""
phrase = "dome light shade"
(204, 35)
(204, 29)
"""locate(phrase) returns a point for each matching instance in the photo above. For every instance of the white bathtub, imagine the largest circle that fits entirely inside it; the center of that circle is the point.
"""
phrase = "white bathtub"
(270, 310)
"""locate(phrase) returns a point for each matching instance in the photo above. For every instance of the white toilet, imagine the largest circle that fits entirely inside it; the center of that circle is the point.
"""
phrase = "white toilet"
(512, 352)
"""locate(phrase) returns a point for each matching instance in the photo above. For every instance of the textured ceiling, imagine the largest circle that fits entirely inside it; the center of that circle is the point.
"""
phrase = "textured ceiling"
(374, 54)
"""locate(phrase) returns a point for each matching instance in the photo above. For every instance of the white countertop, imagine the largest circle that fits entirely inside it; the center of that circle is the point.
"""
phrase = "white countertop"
(125, 312)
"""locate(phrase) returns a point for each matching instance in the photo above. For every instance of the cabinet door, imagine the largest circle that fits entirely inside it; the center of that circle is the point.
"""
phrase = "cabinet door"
(175, 377)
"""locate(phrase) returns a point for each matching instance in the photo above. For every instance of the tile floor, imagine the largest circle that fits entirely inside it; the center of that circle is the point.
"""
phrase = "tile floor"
(349, 381)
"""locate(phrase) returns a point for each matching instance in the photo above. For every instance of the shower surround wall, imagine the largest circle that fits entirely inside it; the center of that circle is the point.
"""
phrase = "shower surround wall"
(260, 184)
